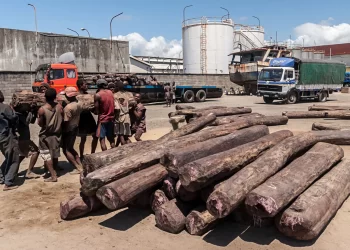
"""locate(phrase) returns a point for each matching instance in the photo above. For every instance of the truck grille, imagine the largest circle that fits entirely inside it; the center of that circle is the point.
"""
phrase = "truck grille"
(270, 88)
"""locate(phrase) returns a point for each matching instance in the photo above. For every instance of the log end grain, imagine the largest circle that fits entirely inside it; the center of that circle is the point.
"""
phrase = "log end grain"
(198, 223)
(73, 208)
(158, 199)
(109, 198)
(217, 204)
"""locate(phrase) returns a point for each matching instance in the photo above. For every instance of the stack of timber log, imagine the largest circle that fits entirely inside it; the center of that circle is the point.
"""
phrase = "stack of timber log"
(220, 167)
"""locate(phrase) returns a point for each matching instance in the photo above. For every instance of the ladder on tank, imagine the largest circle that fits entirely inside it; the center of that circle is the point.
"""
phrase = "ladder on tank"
(203, 45)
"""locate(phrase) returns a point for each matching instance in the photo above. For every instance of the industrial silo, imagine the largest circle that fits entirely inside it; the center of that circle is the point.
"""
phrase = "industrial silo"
(207, 42)
(248, 37)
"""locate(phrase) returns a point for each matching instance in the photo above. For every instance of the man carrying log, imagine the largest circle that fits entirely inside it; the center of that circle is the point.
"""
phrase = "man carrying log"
(70, 128)
(8, 145)
(138, 118)
(87, 123)
(27, 148)
(50, 117)
(104, 108)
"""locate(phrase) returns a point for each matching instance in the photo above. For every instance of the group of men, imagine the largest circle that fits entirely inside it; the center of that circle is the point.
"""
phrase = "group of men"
(61, 125)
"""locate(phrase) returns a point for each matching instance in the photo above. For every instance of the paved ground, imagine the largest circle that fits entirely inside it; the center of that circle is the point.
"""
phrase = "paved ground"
(29, 217)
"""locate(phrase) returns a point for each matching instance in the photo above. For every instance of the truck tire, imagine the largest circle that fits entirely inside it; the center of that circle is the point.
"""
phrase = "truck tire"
(268, 100)
(201, 95)
(188, 96)
(322, 96)
(292, 97)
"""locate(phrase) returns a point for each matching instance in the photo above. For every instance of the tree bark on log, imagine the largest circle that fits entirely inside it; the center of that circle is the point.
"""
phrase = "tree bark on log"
(24, 100)
(182, 106)
(119, 193)
(233, 118)
(175, 159)
(169, 187)
(78, 206)
(328, 126)
(192, 127)
(230, 193)
(104, 158)
(338, 114)
(198, 222)
(327, 108)
(216, 112)
(306, 217)
(185, 195)
(272, 196)
(201, 173)
(171, 216)
(158, 199)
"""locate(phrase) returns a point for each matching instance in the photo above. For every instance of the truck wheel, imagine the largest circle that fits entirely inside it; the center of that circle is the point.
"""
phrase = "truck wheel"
(268, 100)
(292, 97)
(322, 96)
(201, 95)
(188, 96)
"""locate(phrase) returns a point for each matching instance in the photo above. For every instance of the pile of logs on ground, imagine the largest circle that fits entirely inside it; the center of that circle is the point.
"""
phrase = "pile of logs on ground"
(223, 164)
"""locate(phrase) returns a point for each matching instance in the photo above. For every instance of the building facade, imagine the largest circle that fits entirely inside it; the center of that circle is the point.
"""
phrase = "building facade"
(162, 64)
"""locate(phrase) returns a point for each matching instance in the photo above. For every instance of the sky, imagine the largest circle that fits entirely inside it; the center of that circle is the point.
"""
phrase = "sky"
(153, 27)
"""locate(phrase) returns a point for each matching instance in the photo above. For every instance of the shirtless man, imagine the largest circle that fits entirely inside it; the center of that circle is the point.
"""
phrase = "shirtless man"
(138, 118)
(50, 117)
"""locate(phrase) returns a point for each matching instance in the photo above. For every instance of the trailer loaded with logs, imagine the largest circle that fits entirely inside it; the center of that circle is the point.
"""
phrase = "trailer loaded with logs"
(224, 164)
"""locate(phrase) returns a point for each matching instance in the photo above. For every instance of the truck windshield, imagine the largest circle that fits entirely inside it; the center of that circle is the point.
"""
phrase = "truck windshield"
(39, 77)
(270, 75)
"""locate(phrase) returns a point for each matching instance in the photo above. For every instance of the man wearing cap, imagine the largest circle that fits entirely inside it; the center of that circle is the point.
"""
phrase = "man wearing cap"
(71, 117)
(104, 108)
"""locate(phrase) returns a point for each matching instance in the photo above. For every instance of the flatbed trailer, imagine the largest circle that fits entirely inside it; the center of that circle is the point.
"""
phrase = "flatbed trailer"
(187, 94)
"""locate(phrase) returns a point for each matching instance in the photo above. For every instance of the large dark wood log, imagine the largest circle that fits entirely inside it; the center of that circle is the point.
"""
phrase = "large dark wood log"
(171, 216)
(201, 173)
(185, 195)
(175, 120)
(230, 193)
(328, 126)
(182, 106)
(192, 127)
(233, 118)
(137, 161)
(216, 112)
(327, 108)
(119, 193)
(272, 196)
(338, 114)
(24, 100)
(158, 199)
(78, 206)
(200, 221)
(313, 209)
(175, 159)
(169, 187)
(104, 158)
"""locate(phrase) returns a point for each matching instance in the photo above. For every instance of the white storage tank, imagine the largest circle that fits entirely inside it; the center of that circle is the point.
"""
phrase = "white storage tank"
(207, 42)
(248, 36)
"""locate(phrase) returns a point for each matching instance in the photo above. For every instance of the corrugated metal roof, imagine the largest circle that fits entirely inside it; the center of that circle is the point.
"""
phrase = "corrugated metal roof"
(337, 49)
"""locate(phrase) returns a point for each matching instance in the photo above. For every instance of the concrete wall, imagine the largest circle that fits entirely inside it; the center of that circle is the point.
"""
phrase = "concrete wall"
(342, 58)
(18, 51)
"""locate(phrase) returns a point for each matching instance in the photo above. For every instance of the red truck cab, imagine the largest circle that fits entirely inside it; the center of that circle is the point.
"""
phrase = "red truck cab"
(59, 76)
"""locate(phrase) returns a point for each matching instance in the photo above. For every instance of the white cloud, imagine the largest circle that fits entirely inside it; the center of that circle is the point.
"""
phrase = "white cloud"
(156, 46)
(322, 33)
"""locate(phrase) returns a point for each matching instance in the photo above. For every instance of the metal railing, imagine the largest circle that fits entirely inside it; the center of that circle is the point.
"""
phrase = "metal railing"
(206, 20)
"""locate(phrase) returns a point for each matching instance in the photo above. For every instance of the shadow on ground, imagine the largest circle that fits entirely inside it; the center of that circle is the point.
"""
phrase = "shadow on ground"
(223, 234)
(126, 219)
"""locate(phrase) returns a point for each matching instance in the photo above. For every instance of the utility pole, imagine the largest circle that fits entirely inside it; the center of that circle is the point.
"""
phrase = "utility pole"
(36, 35)
(73, 31)
(86, 31)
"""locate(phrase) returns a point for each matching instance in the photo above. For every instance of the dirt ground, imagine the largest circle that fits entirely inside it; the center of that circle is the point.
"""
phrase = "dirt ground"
(29, 217)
